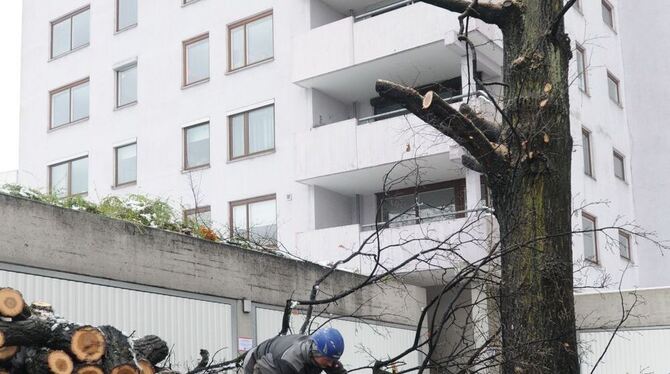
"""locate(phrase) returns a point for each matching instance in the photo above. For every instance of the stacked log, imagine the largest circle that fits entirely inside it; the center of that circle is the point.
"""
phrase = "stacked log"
(33, 340)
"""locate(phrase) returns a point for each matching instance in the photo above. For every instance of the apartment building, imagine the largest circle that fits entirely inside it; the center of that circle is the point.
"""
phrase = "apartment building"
(261, 117)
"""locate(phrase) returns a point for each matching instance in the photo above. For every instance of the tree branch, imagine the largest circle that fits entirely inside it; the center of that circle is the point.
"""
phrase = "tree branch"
(449, 121)
(490, 129)
(490, 12)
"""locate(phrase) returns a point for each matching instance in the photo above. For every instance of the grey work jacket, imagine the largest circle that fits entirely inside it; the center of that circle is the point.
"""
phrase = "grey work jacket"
(287, 354)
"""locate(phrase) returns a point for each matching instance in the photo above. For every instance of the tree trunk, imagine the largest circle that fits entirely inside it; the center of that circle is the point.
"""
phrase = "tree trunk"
(527, 166)
(532, 199)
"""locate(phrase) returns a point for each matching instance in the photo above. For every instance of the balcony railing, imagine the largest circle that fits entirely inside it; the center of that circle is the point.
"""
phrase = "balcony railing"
(400, 112)
(418, 220)
(382, 10)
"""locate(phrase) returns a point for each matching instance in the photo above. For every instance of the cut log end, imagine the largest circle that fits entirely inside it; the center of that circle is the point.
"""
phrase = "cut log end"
(427, 99)
(11, 302)
(89, 369)
(125, 369)
(88, 344)
(146, 367)
(2, 338)
(59, 362)
(7, 352)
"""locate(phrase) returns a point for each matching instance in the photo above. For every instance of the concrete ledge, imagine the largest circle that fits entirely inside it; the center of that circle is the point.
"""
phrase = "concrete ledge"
(44, 236)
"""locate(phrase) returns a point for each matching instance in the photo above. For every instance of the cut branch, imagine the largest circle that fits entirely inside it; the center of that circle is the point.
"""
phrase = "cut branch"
(443, 117)
(496, 13)
(490, 129)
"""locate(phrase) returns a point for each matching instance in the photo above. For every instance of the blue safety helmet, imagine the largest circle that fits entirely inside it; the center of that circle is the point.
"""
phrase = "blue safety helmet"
(328, 342)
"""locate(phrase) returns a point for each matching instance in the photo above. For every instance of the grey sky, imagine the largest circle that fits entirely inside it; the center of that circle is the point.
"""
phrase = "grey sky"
(10, 39)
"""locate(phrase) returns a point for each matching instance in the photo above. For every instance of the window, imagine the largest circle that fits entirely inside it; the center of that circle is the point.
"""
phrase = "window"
(126, 85)
(251, 132)
(69, 104)
(581, 67)
(196, 60)
(608, 13)
(589, 235)
(255, 219)
(126, 164)
(619, 166)
(624, 244)
(126, 14)
(70, 32)
(201, 216)
(613, 88)
(196, 146)
(250, 41)
(435, 202)
(586, 149)
(69, 178)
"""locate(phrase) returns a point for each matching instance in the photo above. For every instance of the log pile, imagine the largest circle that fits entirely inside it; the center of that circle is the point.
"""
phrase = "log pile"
(34, 340)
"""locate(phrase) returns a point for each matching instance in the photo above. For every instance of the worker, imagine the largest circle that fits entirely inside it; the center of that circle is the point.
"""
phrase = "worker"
(298, 354)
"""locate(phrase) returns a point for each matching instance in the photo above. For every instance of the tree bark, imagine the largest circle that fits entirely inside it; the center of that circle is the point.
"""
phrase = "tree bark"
(119, 358)
(152, 348)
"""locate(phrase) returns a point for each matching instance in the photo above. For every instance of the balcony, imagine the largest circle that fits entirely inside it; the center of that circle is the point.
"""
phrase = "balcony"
(335, 243)
(355, 156)
(415, 44)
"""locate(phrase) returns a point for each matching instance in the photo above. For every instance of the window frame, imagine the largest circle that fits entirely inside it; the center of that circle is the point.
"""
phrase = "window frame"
(196, 210)
(594, 220)
(247, 202)
(185, 44)
(617, 83)
(587, 133)
(116, 166)
(61, 19)
(610, 9)
(246, 153)
(244, 22)
(459, 186)
(616, 155)
(117, 71)
(185, 148)
(69, 176)
(628, 244)
(117, 29)
(68, 87)
(583, 76)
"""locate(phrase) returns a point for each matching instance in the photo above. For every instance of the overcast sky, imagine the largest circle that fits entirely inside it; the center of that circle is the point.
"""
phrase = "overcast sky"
(10, 39)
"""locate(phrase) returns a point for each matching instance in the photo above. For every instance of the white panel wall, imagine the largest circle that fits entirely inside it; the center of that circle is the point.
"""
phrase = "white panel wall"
(631, 352)
(187, 325)
(363, 341)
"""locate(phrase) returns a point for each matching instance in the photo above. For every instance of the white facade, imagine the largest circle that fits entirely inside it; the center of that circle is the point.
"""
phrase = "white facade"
(328, 159)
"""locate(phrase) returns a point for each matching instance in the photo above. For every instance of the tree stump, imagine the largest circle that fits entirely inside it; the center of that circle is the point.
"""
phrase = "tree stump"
(11, 302)
(44, 361)
(87, 344)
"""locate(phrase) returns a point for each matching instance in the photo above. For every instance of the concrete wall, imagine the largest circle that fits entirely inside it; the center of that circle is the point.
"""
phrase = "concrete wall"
(326, 110)
(43, 236)
(332, 209)
(603, 310)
